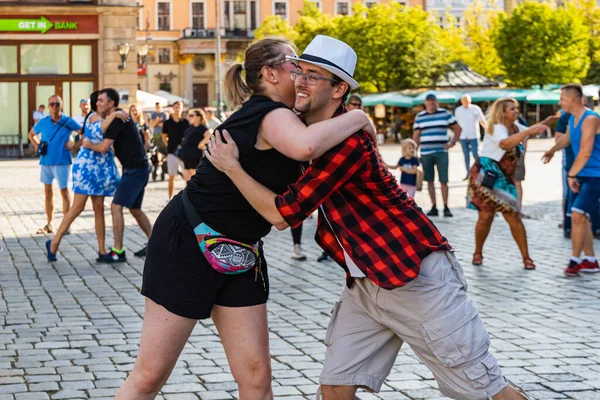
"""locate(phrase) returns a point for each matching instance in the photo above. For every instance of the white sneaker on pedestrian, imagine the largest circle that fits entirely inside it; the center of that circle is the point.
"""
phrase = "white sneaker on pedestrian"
(297, 254)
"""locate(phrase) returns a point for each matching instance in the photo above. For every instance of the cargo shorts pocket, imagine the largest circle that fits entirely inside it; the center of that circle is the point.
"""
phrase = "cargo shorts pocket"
(458, 336)
(332, 322)
(483, 372)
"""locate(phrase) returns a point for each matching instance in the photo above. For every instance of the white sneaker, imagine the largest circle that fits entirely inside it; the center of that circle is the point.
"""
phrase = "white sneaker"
(297, 254)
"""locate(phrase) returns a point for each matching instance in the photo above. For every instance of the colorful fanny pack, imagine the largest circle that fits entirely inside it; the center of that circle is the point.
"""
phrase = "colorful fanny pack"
(224, 255)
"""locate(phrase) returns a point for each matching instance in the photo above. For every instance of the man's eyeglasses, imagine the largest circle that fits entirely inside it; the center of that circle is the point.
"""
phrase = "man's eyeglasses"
(310, 79)
(52, 104)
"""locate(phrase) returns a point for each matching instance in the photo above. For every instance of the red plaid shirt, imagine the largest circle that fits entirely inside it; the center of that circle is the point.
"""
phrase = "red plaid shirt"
(382, 229)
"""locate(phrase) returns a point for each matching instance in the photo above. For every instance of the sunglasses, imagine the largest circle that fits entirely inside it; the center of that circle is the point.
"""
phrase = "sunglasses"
(192, 115)
(57, 104)
(355, 104)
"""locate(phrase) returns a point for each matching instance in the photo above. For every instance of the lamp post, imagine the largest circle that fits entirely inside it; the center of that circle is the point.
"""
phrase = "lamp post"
(218, 63)
(123, 49)
(143, 53)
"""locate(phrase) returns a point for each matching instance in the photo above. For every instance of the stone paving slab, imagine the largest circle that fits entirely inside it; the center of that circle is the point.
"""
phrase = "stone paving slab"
(70, 329)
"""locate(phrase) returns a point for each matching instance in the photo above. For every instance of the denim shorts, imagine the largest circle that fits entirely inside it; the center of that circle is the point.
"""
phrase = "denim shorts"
(130, 192)
(587, 200)
(62, 174)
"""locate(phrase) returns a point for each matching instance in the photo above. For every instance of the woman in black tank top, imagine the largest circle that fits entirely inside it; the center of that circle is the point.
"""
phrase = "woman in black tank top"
(179, 284)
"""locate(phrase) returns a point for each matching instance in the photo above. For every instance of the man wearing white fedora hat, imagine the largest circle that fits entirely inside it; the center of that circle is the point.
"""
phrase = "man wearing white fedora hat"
(403, 282)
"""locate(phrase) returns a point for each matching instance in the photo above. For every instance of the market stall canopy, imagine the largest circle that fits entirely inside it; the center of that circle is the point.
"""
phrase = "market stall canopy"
(374, 99)
(145, 99)
(495, 94)
(591, 91)
(443, 96)
(540, 96)
(460, 75)
(171, 98)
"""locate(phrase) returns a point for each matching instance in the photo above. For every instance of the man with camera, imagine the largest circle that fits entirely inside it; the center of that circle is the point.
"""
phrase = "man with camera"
(53, 147)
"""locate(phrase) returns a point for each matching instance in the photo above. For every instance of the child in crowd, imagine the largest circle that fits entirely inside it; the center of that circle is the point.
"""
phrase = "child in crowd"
(408, 164)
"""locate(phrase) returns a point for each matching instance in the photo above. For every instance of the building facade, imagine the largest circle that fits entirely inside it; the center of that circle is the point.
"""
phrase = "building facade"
(180, 35)
(63, 47)
(457, 8)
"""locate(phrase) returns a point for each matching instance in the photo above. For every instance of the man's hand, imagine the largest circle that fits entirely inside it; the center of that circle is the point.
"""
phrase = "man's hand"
(574, 184)
(87, 144)
(69, 144)
(224, 156)
(550, 120)
(547, 156)
(449, 145)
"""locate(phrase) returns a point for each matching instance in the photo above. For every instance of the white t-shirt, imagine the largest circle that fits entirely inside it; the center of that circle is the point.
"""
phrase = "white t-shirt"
(37, 114)
(79, 119)
(491, 143)
(468, 119)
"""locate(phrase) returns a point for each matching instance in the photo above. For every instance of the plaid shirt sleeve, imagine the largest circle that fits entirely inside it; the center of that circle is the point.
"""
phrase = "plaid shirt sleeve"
(321, 179)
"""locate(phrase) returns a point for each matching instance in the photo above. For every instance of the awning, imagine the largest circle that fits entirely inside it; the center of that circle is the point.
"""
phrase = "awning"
(443, 96)
(171, 98)
(495, 94)
(145, 99)
(539, 96)
(374, 99)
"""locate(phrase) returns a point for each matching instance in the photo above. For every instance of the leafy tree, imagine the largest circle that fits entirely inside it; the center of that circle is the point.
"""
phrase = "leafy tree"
(313, 22)
(274, 25)
(479, 25)
(538, 44)
(590, 13)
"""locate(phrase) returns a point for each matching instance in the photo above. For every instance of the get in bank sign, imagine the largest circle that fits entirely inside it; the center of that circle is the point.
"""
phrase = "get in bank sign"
(58, 24)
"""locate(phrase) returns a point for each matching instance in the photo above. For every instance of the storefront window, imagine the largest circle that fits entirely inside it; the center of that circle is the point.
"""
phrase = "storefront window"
(24, 110)
(9, 104)
(79, 91)
(8, 60)
(46, 59)
(82, 59)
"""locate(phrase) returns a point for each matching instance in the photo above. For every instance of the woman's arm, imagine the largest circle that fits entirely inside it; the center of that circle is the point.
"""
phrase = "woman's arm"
(204, 140)
(122, 115)
(412, 170)
(514, 140)
(284, 131)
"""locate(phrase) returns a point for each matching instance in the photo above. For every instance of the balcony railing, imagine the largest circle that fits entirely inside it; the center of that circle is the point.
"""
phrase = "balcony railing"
(189, 33)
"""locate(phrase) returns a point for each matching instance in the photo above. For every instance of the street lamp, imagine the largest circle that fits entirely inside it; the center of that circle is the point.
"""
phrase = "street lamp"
(123, 49)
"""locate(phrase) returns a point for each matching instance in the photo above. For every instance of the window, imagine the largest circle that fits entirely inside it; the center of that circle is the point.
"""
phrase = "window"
(164, 16)
(458, 22)
(164, 55)
(45, 59)
(8, 60)
(227, 15)
(370, 4)
(198, 15)
(239, 14)
(253, 15)
(342, 8)
(138, 23)
(280, 9)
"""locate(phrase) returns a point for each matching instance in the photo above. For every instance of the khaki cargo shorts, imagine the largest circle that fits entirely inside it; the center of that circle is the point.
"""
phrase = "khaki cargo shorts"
(432, 314)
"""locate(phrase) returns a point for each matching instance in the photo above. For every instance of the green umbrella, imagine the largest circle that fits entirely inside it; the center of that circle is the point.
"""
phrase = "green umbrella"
(398, 100)
(540, 96)
(495, 94)
(443, 96)
(374, 99)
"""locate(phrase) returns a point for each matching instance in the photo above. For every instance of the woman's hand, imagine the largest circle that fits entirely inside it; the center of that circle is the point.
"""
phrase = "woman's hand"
(223, 155)
(536, 129)
(122, 115)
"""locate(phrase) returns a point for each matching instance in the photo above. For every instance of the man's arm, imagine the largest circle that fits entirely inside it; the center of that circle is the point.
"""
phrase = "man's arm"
(457, 131)
(319, 181)
(417, 136)
(33, 139)
(561, 143)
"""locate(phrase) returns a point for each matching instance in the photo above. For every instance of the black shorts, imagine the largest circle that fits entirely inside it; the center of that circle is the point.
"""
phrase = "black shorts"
(131, 188)
(178, 277)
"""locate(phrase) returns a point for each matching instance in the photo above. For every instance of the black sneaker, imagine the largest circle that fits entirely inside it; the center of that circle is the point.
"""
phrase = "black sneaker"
(433, 212)
(323, 257)
(447, 212)
(142, 252)
(112, 257)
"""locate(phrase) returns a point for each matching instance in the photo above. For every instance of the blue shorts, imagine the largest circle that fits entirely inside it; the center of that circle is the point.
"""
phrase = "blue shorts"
(130, 192)
(62, 174)
(587, 200)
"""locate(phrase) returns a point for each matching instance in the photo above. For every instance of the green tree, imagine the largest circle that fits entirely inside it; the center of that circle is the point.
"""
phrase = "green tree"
(538, 44)
(313, 22)
(479, 25)
(590, 13)
(274, 25)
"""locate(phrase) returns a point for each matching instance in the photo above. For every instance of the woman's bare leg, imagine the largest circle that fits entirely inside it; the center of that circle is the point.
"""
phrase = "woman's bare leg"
(245, 337)
(77, 208)
(164, 335)
(518, 232)
(99, 222)
(482, 229)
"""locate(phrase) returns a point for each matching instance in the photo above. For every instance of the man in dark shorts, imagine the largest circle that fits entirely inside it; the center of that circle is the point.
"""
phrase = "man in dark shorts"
(172, 134)
(129, 149)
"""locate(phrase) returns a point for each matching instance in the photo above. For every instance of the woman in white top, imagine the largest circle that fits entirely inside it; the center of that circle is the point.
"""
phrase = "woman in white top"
(491, 181)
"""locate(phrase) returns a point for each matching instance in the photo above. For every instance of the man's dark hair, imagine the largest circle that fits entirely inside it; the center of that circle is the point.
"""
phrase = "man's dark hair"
(157, 103)
(112, 94)
(356, 98)
(574, 88)
(94, 100)
(337, 81)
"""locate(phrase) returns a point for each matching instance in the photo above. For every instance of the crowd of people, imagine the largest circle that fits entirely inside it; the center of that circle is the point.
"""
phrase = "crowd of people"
(299, 143)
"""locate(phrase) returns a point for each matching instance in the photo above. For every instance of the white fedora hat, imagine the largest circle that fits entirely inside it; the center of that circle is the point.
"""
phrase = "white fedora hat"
(333, 55)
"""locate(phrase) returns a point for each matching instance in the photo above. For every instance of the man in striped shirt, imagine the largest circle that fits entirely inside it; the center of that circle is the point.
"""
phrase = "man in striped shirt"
(430, 131)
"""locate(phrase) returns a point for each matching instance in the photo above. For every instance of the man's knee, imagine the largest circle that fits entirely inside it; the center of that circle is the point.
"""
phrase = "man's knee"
(48, 190)
(578, 218)
(116, 209)
(148, 380)
(256, 375)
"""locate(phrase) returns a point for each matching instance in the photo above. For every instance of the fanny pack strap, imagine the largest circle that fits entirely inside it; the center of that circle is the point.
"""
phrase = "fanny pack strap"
(190, 212)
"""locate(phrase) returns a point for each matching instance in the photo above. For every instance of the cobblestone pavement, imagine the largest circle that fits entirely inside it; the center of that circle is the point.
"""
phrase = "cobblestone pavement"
(70, 329)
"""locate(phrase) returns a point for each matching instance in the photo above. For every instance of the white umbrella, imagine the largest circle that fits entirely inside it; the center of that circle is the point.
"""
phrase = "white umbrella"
(171, 98)
(148, 100)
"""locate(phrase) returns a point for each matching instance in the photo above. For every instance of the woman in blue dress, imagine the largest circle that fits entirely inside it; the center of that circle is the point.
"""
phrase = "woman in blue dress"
(95, 175)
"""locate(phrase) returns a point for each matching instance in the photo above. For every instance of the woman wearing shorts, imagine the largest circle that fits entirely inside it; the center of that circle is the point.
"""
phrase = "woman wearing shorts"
(180, 285)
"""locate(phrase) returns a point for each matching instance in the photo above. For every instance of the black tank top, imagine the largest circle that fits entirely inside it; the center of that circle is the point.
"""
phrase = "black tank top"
(216, 199)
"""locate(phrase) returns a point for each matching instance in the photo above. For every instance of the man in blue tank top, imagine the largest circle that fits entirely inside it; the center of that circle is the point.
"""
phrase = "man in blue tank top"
(583, 134)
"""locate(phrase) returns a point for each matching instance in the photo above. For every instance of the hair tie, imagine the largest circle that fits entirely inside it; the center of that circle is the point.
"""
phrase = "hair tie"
(243, 65)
